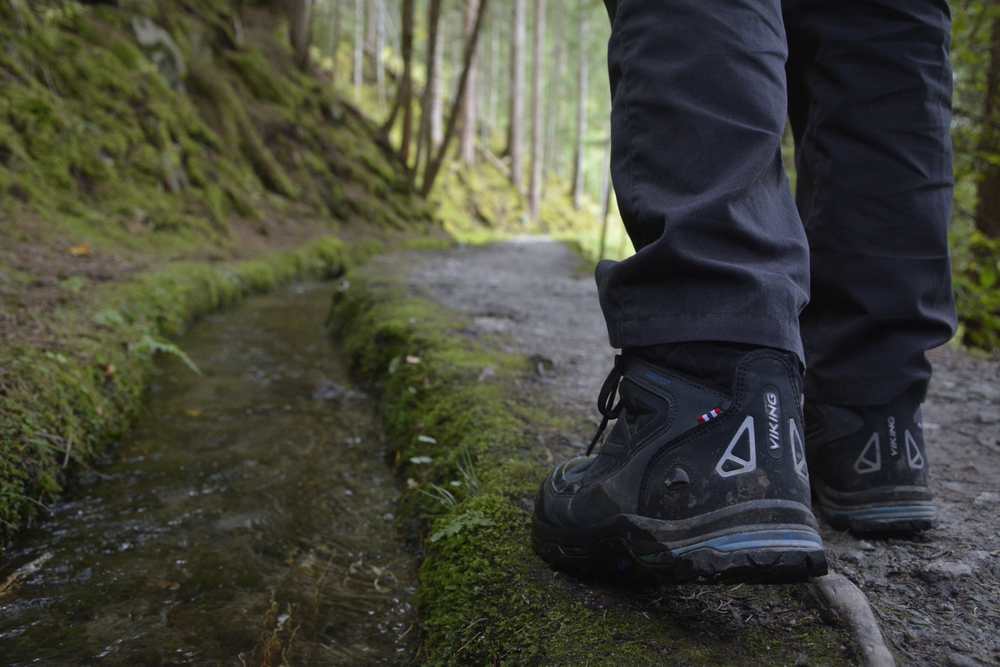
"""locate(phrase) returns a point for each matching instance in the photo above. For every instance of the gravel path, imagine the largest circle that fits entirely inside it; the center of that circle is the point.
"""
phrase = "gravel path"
(937, 597)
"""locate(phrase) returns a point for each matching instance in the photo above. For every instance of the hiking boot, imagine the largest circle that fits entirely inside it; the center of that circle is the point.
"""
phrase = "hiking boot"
(869, 466)
(692, 483)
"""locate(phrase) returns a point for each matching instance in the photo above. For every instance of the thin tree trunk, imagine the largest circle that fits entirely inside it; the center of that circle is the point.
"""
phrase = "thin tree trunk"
(406, 96)
(492, 87)
(581, 106)
(606, 204)
(424, 137)
(434, 165)
(359, 46)
(370, 29)
(553, 159)
(379, 11)
(336, 34)
(515, 127)
(988, 190)
(405, 46)
(300, 20)
(537, 119)
(469, 116)
(437, 86)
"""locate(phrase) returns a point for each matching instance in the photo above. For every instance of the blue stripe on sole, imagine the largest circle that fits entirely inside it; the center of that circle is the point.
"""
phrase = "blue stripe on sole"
(887, 513)
(769, 540)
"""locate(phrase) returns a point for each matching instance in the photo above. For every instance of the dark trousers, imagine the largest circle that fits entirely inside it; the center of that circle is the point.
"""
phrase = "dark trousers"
(701, 92)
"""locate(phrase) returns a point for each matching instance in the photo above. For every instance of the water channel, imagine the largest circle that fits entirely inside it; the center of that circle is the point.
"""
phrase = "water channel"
(247, 518)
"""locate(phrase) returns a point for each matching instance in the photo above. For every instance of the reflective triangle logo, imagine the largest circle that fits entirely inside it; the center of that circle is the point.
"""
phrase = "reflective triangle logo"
(731, 462)
(913, 455)
(798, 450)
(870, 459)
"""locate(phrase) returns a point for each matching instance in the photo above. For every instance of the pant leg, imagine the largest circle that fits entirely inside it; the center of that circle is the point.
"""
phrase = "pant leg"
(698, 110)
(870, 100)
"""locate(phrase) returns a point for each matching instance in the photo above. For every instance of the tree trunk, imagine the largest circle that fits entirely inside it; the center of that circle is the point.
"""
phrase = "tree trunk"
(406, 93)
(491, 87)
(553, 159)
(434, 165)
(424, 137)
(515, 127)
(606, 204)
(336, 34)
(359, 46)
(437, 86)
(537, 118)
(988, 189)
(371, 19)
(300, 20)
(379, 11)
(581, 106)
(469, 115)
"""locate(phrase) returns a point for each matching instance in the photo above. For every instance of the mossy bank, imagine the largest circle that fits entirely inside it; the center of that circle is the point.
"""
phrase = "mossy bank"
(158, 159)
(467, 422)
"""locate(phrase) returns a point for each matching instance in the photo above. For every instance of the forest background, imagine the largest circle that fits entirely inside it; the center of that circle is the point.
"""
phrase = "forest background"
(537, 105)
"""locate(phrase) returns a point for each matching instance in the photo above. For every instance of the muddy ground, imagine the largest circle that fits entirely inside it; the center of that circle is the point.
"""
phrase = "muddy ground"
(937, 597)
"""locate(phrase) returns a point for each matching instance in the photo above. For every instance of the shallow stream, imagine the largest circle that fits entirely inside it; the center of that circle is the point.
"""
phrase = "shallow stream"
(246, 519)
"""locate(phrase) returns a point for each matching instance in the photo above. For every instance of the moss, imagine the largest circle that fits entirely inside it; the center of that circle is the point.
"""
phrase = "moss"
(100, 143)
(977, 274)
(61, 405)
(237, 127)
(95, 134)
(465, 444)
(262, 80)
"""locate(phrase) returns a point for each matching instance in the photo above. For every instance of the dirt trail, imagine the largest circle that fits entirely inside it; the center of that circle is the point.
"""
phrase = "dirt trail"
(937, 597)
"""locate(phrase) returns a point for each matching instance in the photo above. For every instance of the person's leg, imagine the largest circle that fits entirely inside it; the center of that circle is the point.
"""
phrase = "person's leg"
(704, 474)
(870, 94)
(871, 102)
(699, 107)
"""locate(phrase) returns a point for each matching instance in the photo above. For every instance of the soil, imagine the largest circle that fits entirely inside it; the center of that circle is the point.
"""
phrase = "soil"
(937, 596)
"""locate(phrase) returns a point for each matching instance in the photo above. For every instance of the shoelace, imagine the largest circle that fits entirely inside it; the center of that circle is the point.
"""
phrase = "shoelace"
(606, 403)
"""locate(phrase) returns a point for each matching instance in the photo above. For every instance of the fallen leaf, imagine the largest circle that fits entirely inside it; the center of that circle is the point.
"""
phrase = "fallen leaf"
(82, 250)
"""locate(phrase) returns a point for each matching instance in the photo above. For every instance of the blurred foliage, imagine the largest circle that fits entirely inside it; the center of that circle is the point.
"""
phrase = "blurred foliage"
(975, 133)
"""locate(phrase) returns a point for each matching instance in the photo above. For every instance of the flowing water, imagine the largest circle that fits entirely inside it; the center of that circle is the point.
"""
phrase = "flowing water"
(246, 519)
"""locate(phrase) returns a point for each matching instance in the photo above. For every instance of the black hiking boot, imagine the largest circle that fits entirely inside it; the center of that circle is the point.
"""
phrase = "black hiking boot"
(869, 466)
(692, 483)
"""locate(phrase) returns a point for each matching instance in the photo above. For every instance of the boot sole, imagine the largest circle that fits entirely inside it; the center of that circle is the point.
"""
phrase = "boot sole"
(628, 546)
(880, 517)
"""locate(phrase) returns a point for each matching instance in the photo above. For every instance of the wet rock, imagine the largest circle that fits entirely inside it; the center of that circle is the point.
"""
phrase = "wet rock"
(329, 391)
